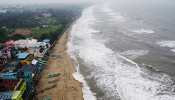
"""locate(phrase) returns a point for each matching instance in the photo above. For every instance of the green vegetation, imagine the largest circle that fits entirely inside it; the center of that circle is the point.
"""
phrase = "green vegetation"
(45, 32)
(42, 21)
(18, 36)
(3, 34)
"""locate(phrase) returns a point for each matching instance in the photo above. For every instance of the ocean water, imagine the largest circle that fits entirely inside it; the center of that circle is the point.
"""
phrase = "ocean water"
(125, 50)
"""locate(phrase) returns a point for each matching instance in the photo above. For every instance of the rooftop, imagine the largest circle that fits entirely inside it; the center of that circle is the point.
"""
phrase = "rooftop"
(22, 55)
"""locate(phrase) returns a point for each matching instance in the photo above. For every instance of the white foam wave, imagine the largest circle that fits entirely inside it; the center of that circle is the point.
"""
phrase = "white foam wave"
(133, 54)
(169, 44)
(143, 31)
(87, 93)
(110, 70)
(114, 16)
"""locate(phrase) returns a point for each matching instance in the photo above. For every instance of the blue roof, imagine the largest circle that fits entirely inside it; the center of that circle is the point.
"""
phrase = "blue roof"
(22, 55)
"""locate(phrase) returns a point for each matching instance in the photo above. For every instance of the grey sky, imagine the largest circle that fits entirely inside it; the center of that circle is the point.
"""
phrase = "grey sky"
(44, 1)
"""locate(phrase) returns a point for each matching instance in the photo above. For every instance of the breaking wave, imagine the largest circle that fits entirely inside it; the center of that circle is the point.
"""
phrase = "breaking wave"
(169, 44)
(143, 31)
(117, 76)
(114, 16)
(133, 54)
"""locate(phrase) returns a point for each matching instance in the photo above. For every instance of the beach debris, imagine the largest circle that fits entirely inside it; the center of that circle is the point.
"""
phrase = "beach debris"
(47, 98)
(81, 84)
(51, 75)
(53, 81)
(34, 61)
(43, 61)
(48, 88)
(55, 56)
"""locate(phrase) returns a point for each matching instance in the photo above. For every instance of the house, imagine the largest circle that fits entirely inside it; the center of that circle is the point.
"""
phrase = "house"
(3, 60)
(27, 43)
(9, 43)
(6, 52)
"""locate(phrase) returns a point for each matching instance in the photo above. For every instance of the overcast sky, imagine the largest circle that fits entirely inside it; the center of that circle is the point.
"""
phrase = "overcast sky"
(44, 1)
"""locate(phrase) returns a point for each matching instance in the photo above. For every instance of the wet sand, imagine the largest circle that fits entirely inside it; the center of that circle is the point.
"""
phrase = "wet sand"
(64, 86)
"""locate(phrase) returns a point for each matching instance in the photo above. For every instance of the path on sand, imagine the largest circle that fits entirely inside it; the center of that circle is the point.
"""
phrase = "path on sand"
(63, 87)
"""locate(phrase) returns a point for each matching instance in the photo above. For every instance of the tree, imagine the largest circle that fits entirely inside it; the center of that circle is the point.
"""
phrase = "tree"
(3, 34)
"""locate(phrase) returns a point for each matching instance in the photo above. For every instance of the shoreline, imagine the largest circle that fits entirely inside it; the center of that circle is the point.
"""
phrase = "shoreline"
(64, 86)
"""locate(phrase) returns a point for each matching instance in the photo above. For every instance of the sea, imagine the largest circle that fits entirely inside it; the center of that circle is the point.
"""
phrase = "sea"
(125, 50)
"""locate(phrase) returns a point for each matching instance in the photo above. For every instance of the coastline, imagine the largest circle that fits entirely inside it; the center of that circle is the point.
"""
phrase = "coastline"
(65, 86)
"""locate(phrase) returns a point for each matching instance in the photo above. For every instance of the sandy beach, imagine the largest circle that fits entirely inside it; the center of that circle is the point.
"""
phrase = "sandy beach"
(64, 86)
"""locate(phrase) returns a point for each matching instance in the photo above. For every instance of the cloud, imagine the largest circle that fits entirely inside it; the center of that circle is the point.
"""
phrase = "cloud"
(42, 1)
